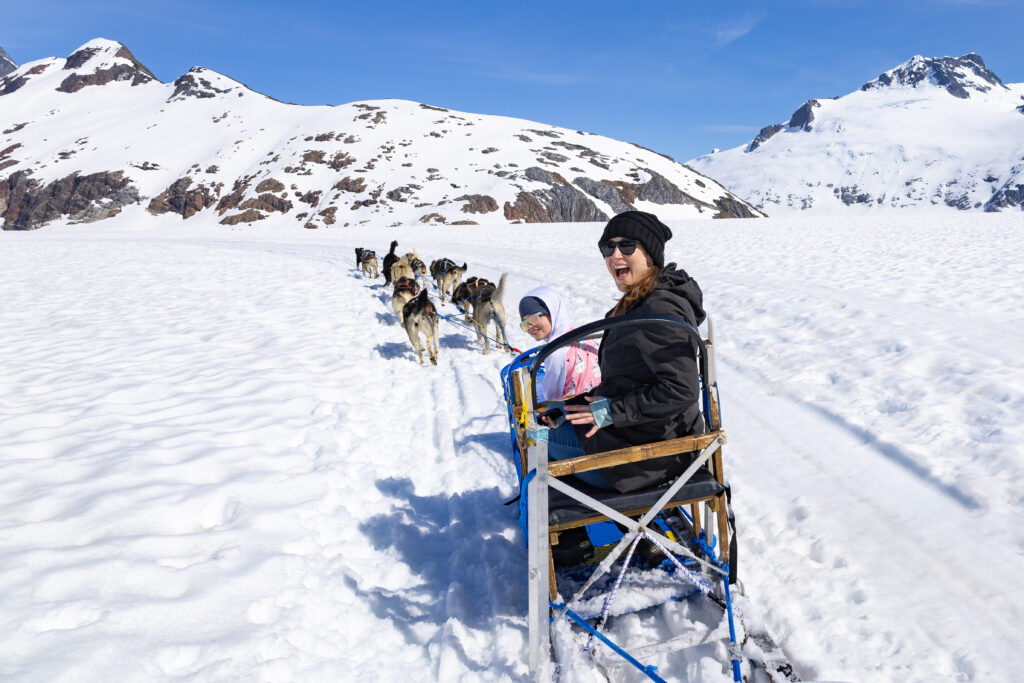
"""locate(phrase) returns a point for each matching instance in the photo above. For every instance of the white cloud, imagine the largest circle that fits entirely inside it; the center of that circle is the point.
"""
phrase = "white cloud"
(734, 30)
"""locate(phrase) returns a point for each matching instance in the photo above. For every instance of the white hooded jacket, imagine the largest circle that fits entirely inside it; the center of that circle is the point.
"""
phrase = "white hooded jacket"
(552, 373)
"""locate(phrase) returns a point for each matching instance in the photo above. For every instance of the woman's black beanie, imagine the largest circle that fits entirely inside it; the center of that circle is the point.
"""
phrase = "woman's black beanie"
(645, 228)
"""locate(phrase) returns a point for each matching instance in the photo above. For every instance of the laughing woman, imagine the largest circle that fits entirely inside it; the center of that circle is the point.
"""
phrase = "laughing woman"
(649, 387)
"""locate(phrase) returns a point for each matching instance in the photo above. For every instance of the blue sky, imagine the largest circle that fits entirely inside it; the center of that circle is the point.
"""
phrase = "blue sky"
(677, 77)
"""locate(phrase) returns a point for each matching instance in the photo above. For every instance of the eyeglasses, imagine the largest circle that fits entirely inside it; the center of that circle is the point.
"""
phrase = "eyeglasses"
(532, 320)
(626, 247)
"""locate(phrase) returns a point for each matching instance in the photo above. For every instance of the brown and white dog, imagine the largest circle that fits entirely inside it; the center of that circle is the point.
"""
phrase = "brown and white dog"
(417, 265)
(401, 269)
(405, 290)
(420, 318)
(388, 261)
(464, 293)
(487, 306)
(447, 276)
(368, 262)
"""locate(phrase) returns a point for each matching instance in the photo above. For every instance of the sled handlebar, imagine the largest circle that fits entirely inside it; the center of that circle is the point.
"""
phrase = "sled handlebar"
(600, 326)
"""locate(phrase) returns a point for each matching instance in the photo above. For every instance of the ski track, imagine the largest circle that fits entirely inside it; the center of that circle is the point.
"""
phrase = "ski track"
(259, 481)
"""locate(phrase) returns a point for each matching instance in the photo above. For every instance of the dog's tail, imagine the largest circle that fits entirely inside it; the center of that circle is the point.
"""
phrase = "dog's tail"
(423, 303)
(394, 245)
(500, 291)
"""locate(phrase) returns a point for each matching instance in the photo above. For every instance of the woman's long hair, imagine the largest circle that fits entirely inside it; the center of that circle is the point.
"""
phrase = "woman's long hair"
(638, 292)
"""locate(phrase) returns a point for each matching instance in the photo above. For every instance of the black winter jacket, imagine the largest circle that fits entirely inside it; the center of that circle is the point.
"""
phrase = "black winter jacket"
(650, 373)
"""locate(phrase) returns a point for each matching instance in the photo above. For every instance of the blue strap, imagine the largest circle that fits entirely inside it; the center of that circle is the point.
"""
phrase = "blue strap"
(649, 670)
(732, 634)
(708, 550)
(473, 329)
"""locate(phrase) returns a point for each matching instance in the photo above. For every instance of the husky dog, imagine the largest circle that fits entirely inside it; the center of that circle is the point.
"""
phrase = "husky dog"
(463, 295)
(401, 269)
(368, 262)
(420, 317)
(417, 265)
(487, 306)
(359, 256)
(405, 289)
(447, 275)
(389, 260)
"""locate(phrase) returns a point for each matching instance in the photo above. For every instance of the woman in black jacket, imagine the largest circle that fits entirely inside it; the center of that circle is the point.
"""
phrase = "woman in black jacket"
(650, 388)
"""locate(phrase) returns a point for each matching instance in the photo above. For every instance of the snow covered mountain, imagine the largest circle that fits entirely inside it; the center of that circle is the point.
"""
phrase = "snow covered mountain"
(85, 136)
(943, 132)
(7, 64)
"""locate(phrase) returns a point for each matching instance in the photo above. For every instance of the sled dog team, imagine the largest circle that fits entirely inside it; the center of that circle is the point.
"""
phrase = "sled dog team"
(477, 299)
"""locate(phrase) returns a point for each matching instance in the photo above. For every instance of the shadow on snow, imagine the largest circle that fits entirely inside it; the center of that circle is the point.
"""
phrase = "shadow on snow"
(467, 553)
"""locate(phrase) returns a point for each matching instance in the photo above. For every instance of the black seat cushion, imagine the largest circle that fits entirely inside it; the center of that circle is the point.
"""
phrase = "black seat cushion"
(564, 510)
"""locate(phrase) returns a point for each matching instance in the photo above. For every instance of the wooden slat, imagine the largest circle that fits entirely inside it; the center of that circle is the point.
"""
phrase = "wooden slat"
(596, 461)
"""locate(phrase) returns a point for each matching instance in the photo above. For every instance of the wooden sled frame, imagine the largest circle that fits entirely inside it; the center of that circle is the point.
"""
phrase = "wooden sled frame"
(537, 475)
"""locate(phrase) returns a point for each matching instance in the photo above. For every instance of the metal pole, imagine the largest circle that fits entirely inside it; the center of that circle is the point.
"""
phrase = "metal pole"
(537, 524)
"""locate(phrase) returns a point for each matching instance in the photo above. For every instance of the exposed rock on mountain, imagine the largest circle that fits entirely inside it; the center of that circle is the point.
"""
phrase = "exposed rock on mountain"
(82, 198)
(179, 198)
(804, 116)
(942, 132)
(86, 135)
(7, 64)
(764, 135)
(104, 68)
(958, 75)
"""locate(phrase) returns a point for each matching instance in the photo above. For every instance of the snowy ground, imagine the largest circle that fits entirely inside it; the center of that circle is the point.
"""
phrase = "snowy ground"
(220, 460)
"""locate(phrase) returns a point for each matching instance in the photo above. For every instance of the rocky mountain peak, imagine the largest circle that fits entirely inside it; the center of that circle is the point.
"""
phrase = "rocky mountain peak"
(957, 75)
(7, 64)
(102, 61)
(203, 83)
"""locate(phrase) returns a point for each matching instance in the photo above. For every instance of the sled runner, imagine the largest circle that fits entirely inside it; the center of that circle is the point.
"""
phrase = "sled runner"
(688, 519)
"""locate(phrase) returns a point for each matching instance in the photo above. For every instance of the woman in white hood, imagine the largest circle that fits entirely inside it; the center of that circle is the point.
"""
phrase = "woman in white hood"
(571, 369)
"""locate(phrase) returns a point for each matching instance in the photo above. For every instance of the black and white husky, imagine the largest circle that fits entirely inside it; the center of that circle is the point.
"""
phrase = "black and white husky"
(420, 319)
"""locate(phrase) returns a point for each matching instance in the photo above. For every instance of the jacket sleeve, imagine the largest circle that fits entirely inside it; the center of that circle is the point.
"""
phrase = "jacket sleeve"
(553, 385)
(671, 357)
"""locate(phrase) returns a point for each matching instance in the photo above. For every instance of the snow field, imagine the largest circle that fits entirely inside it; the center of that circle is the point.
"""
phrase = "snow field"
(220, 459)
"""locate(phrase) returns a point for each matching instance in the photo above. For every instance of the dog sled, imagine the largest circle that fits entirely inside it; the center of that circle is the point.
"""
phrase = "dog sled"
(689, 520)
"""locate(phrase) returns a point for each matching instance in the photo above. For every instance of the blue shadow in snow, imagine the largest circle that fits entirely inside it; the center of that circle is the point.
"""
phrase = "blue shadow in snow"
(392, 350)
(458, 546)
(896, 455)
(493, 441)
(456, 341)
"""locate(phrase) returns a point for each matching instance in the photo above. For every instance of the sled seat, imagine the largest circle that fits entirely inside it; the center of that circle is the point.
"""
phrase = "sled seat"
(567, 513)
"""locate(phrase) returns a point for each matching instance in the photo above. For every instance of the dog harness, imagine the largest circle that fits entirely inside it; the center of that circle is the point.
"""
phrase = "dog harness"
(407, 285)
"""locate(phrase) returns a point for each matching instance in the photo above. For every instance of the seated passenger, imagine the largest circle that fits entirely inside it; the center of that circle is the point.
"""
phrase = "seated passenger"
(649, 387)
(571, 369)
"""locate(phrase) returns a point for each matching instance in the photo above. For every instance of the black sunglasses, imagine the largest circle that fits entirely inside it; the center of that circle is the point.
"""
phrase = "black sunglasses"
(626, 247)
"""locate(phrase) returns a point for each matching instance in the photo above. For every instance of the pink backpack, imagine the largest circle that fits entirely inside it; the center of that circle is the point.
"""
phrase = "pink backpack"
(582, 372)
